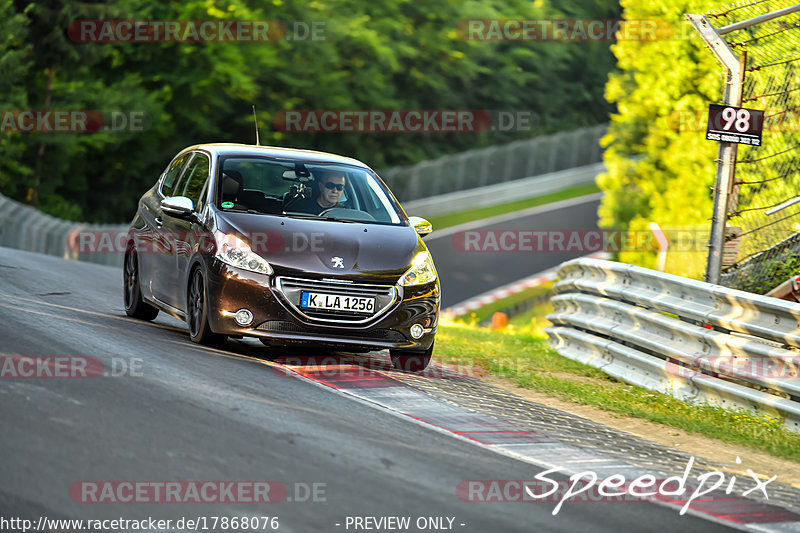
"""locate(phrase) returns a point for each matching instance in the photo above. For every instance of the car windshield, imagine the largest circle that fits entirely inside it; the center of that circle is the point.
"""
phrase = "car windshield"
(304, 189)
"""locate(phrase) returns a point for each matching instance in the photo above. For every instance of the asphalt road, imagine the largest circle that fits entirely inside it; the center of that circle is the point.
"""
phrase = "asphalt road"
(188, 413)
(465, 274)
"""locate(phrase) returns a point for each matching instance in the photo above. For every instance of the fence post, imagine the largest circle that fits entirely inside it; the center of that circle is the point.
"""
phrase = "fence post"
(726, 160)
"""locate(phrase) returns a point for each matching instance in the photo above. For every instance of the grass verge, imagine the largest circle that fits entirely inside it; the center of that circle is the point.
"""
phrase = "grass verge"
(484, 313)
(521, 354)
(453, 219)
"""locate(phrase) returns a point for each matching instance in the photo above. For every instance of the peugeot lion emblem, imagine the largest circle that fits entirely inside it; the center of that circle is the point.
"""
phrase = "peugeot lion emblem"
(338, 262)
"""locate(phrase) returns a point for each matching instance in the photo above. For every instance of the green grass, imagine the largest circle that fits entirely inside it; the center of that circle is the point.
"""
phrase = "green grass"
(485, 313)
(453, 219)
(530, 316)
(521, 354)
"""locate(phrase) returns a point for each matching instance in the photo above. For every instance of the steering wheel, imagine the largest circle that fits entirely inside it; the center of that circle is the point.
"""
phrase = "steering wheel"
(345, 205)
(350, 214)
(325, 212)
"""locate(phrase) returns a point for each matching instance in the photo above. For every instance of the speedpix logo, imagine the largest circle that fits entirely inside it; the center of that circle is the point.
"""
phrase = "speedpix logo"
(588, 487)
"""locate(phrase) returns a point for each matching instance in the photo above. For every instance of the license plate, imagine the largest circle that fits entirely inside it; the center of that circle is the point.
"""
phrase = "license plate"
(335, 302)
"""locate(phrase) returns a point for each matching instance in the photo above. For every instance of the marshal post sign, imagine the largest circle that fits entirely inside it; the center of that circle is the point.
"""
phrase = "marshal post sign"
(734, 125)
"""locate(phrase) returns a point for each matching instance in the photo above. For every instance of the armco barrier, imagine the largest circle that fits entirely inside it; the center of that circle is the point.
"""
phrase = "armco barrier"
(502, 193)
(694, 340)
(25, 228)
(481, 167)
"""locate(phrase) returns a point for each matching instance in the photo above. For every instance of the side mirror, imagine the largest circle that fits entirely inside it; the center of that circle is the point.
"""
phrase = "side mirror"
(422, 226)
(178, 207)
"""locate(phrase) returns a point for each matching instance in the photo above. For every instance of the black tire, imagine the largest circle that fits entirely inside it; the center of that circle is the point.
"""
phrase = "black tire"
(411, 361)
(197, 312)
(131, 290)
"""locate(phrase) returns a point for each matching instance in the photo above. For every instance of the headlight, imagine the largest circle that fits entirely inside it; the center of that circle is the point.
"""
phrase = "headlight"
(235, 252)
(422, 271)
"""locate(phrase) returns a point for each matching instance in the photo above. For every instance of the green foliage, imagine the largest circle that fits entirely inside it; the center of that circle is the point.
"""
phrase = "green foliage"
(14, 65)
(376, 54)
(670, 183)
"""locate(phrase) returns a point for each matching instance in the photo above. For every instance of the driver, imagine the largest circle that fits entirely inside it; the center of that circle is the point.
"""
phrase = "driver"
(330, 185)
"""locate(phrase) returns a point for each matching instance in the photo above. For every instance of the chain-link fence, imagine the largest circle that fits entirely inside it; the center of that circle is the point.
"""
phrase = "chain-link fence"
(497, 164)
(767, 176)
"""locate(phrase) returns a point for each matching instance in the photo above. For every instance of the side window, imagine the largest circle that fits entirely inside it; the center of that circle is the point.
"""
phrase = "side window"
(173, 172)
(194, 178)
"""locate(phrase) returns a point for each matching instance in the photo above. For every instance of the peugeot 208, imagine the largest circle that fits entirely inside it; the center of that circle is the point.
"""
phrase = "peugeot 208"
(289, 246)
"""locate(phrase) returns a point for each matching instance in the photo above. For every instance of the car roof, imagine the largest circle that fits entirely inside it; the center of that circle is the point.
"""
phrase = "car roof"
(225, 149)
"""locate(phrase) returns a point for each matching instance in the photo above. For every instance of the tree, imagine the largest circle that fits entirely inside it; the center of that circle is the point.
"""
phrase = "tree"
(660, 169)
(376, 54)
(15, 65)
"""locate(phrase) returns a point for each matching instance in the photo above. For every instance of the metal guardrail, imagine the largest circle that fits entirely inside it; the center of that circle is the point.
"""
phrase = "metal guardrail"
(694, 340)
(25, 228)
(501, 193)
(481, 167)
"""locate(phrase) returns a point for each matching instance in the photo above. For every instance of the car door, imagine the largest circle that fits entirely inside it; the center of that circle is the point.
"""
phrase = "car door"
(184, 233)
(153, 243)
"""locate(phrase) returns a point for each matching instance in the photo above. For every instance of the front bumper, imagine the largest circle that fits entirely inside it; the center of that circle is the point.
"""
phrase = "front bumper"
(278, 320)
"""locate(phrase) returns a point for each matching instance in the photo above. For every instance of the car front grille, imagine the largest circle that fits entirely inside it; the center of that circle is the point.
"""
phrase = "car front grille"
(292, 288)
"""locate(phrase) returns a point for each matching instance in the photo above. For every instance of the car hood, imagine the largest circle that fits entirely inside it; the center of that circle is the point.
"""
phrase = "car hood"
(328, 248)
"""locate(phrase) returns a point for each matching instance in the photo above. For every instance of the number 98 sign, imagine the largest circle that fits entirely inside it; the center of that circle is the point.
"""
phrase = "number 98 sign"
(734, 125)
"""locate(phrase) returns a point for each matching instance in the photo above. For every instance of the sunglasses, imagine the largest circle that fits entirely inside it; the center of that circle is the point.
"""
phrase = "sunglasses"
(331, 185)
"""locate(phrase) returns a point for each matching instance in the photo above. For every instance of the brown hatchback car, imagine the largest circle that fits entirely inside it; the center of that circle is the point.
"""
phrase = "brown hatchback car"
(289, 246)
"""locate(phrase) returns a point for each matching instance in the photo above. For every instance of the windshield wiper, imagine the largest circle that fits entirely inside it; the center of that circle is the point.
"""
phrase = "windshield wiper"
(315, 217)
(292, 214)
(334, 219)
